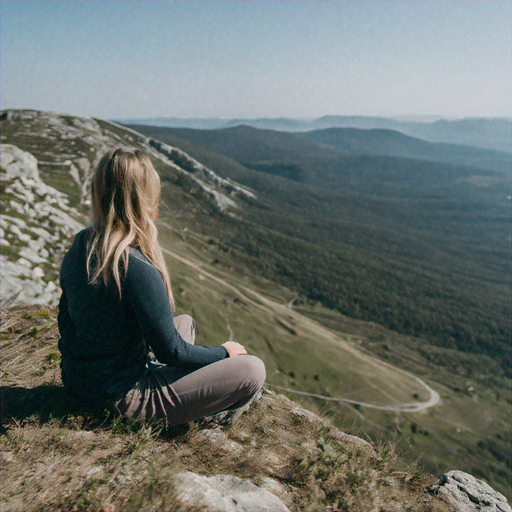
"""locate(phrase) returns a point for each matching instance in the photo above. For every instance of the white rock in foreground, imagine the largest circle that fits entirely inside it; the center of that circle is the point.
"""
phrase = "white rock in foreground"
(224, 493)
(464, 493)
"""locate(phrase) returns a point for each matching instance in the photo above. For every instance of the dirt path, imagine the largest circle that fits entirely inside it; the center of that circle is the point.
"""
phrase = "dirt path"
(271, 307)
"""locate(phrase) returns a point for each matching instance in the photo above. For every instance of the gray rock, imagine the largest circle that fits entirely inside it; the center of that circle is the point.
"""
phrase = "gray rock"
(31, 255)
(86, 123)
(464, 493)
(74, 174)
(308, 415)
(18, 284)
(271, 485)
(83, 164)
(21, 236)
(216, 187)
(224, 493)
(37, 203)
(220, 439)
(215, 436)
(16, 163)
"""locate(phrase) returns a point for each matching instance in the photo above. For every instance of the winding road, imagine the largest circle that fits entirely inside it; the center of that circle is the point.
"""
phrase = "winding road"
(270, 306)
(411, 407)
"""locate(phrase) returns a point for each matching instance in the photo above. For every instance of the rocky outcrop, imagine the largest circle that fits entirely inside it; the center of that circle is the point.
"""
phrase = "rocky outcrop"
(36, 226)
(15, 163)
(67, 140)
(224, 493)
(464, 493)
(209, 181)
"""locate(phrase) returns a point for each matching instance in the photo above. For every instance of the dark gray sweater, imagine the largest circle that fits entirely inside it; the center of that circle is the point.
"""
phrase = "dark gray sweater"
(105, 341)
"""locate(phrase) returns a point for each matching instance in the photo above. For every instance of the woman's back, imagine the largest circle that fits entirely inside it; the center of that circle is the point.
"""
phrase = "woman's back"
(102, 344)
(105, 340)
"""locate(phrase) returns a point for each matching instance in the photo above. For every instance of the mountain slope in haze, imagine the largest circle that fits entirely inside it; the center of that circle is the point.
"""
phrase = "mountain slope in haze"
(489, 133)
(228, 266)
(486, 133)
(394, 143)
(322, 165)
(494, 133)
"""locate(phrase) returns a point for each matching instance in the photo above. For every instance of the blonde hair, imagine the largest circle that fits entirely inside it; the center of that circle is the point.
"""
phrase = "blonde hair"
(125, 195)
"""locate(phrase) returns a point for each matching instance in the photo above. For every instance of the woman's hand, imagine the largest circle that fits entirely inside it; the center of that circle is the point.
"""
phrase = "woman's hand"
(234, 348)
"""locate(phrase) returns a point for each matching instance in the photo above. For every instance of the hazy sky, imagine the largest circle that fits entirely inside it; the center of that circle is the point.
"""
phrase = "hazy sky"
(254, 58)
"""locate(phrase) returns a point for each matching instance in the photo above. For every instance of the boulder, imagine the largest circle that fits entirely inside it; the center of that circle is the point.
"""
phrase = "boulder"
(465, 493)
(308, 415)
(224, 493)
(220, 439)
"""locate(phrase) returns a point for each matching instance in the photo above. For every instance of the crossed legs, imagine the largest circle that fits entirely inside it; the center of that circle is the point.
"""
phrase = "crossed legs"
(181, 396)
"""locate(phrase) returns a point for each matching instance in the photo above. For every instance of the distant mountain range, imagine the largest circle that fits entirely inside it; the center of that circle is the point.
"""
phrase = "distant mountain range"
(487, 133)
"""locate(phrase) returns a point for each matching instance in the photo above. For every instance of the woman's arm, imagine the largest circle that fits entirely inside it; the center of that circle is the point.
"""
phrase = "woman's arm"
(145, 290)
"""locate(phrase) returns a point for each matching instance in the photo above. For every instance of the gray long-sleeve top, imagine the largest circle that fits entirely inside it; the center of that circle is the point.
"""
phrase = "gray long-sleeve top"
(105, 341)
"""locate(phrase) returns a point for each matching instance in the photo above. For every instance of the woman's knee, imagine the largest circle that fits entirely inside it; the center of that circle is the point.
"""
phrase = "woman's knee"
(253, 370)
(186, 327)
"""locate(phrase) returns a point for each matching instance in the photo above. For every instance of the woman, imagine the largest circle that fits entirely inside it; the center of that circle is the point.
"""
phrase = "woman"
(117, 304)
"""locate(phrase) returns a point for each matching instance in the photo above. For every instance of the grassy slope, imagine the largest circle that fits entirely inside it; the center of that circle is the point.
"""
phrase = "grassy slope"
(468, 430)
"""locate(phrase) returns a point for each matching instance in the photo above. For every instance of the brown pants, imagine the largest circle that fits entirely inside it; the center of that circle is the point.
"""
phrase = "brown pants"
(180, 395)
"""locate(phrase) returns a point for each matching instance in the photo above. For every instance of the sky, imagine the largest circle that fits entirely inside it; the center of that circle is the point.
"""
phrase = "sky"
(120, 59)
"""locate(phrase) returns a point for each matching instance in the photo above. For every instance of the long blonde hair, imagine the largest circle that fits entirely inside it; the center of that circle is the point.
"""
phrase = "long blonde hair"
(125, 195)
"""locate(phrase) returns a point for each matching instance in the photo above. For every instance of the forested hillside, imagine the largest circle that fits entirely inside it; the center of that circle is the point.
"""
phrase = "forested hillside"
(418, 246)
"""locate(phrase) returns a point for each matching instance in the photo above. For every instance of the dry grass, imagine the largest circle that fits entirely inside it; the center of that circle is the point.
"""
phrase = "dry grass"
(56, 455)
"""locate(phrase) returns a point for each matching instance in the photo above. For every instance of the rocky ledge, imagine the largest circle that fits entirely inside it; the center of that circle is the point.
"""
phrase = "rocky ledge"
(46, 167)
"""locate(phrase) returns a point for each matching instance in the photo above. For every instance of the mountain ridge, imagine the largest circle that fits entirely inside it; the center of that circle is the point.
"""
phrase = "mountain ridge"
(483, 132)
(386, 142)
